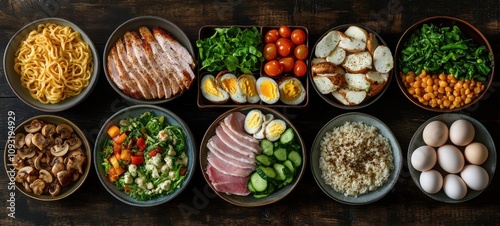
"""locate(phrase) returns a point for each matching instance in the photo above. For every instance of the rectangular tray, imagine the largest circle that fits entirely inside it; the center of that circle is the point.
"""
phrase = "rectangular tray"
(204, 104)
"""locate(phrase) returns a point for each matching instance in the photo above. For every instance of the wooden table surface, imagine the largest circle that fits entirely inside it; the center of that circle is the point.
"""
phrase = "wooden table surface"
(307, 204)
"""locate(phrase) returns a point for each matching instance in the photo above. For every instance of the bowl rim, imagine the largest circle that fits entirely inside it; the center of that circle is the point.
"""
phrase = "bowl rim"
(332, 101)
(74, 186)
(418, 24)
(70, 102)
(449, 118)
(119, 30)
(273, 198)
(162, 199)
(386, 187)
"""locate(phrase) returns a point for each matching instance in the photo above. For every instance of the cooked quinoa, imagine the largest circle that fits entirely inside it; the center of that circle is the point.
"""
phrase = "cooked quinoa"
(355, 158)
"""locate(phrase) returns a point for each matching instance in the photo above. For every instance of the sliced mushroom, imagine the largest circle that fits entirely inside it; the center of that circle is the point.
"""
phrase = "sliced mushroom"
(48, 130)
(64, 130)
(38, 162)
(75, 160)
(26, 152)
(18, 162)
(19, 140)
(23, 173)
(76, 175)
(64, 177)
(45, 176)
(57, 159)
(28, 138)
(58, 167)
(40, 141)
(26, 185)
(59, 149)
(33, 127)
(31, 178)
(37, 186)
(54, 189)
(74, 142)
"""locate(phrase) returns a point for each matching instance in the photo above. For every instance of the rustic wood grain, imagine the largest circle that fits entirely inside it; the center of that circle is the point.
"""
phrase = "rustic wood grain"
(307, 204)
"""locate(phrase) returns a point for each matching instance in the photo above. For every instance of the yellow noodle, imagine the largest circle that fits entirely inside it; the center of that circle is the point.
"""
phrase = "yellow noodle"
(54, 63)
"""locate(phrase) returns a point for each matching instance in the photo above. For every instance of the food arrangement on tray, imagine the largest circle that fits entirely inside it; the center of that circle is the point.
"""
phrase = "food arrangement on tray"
(252, 155)
(252, 65)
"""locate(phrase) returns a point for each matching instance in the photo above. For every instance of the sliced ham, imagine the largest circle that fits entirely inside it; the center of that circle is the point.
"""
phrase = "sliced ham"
(238, 137)
(228, 140)
(226, 183)
(235, 122)
(221, 154)
(226, 168)
(248, 156)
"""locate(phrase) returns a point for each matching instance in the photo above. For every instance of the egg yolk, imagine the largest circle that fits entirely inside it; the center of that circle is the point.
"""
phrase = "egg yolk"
(268, 89)
(229, 85)
(275, 130)
(291, 90)
(248, 87)
(211, 88)
(254, 120)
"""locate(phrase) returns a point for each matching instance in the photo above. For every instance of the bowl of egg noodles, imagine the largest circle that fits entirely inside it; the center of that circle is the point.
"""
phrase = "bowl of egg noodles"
(51, 64)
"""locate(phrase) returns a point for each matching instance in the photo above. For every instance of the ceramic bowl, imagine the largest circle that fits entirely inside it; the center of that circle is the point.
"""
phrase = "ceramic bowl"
(135, 111)
(370, 196)
(469, 31)
(329, 98)
(133, 25)
(13, 78)
(250, 200)
(11, 151)
(481, 135)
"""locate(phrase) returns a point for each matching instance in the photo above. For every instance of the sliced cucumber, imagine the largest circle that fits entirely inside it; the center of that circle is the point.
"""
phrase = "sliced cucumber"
(264, 160)
(280, 154)
(267, 147)
(250, 187)
(258, 183)
(280, 171)
(260, 196)
(266, 173)
(287, 136)
(296, 159)
(290, 166)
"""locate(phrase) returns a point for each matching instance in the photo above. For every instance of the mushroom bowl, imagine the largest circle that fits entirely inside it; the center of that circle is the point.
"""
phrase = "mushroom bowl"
(48, 157)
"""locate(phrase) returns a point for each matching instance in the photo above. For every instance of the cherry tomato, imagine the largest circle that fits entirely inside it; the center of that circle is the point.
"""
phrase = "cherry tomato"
(300, 68)
(271, 36)
(273, 68)
(301, 52)
(270, 51)
(285, 46)
(288, 63)
(298, 36)
(285, 31)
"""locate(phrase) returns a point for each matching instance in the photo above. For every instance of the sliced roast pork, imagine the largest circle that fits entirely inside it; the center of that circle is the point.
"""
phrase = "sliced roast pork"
(221, 154)
(227, 168)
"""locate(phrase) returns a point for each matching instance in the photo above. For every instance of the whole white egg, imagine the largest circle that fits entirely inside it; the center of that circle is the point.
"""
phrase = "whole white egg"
(475, 177)
(461, 132)
(435, 133)
(423, 158)
(431, 181)
(450, 158)
(454, 187)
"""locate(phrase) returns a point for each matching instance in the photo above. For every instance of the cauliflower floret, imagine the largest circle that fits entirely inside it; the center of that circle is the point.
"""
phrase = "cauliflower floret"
(169, 161)
(154, 173)
(140, 182)
(156, 160)
(171, 174)
(183, 159)
(128, 178)
(149, 185)
(171, 150)
(162, 136)
(165, 168)
(149, 166)
(132, 169)
(165, 185)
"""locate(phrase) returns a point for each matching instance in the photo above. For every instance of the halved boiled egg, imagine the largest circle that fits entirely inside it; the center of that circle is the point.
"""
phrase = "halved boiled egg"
(253, 121)
(292, 91)
(211, 91)
(268, 90)
(248, 85)
(274, 129)
(260, 134)
(229, 83)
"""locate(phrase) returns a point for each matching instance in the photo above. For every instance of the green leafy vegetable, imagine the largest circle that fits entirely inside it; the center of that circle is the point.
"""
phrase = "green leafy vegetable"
(445, 50)
(233, 48)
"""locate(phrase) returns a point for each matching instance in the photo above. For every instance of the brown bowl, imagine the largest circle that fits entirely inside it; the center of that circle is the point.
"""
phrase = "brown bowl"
(469, 31)
(250, 201)
(204, 104)
(11, 151)
(329, 97)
